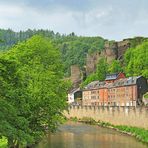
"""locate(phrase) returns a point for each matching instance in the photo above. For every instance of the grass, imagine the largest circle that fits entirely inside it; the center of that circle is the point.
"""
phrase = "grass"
(74, 119)
(3, 143)
(140, 133)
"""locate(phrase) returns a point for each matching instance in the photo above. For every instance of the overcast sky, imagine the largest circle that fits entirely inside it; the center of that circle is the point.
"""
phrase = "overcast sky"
(111, 19)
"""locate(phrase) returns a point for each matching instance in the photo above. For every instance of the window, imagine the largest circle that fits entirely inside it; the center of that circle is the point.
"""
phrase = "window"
(93, 92)
(93, 97)
(85, 97)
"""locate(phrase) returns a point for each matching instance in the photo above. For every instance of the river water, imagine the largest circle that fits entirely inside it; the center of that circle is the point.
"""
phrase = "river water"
(78, 135)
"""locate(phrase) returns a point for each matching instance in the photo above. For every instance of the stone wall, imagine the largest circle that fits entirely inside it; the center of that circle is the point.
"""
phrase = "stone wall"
(131, 116)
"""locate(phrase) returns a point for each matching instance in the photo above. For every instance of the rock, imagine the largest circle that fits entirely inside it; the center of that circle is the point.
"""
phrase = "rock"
(75, 75)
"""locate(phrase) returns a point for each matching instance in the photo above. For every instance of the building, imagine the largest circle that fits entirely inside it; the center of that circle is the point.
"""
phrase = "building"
(116, 90)
(110, 78)
(75, 96)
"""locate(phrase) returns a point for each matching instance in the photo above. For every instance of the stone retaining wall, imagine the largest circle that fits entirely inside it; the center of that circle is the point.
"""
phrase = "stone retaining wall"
(131, 116)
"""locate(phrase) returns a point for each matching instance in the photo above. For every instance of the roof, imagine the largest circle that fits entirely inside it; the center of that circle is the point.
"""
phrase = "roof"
(123, 82)
(117, 83)
(112, 76)
(74, 90)
(94, 85)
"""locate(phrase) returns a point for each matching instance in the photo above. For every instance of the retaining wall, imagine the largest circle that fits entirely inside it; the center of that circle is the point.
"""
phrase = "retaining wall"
(131, 116)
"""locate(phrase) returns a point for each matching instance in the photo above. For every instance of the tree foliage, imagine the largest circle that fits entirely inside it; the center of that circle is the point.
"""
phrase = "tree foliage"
(100, 74)
(32, 90)
(89, 79)
(136, 60)
(115, 67)
(13, 124)
(102, 69)
(73, 48)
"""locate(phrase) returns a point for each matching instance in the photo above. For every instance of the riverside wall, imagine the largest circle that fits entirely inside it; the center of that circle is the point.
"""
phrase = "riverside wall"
(130, 116)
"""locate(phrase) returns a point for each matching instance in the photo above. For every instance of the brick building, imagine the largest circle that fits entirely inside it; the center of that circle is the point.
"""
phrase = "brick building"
(116, 90)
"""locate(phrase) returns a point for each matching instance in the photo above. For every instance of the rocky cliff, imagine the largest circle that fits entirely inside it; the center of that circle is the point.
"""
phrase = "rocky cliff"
(75, 75)
(112, 50)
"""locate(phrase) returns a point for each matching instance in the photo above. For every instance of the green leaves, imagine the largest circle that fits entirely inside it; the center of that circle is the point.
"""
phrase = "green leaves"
(102, 68)
(31, 87)
(100, 74)
(75, 49)
(136, 60)
(115, 67)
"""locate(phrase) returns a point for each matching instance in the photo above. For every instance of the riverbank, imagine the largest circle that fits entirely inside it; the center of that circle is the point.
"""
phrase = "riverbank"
(139, 133)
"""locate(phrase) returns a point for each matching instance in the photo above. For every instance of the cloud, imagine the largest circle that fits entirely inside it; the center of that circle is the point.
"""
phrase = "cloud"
(10, 10)
(113, 19)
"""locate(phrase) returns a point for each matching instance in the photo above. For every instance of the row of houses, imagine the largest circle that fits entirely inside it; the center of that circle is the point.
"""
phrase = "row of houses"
(116, 90)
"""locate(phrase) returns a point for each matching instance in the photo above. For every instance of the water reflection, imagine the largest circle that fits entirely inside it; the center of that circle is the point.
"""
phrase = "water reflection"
(77, 135)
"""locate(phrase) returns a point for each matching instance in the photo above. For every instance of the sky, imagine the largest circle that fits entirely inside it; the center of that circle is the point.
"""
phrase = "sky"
(111, 19)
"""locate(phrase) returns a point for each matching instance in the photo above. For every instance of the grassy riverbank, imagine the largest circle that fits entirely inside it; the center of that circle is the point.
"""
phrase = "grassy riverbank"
(140, 133)
(3, 143)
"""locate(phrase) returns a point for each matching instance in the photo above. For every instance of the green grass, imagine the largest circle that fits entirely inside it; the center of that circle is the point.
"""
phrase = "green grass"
(140, 133)
(88, 120)
(3, 143)
(74, 119)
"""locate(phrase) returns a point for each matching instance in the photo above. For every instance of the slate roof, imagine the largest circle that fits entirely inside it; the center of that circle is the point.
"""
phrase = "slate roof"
(117, 83)
(123, 82)
(112, 76)
(95, 85)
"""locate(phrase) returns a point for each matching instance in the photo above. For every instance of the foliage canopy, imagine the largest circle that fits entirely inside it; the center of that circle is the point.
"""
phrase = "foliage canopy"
(136, 60)
(32, 90)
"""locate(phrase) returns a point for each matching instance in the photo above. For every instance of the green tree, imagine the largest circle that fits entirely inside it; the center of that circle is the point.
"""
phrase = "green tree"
(136, 60)
(13, 124)
(100, 74)
(115, 67)
(90, 78)
(102, 69)
(39, 95)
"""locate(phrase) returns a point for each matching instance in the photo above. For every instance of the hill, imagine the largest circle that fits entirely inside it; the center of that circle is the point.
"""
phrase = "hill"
(85, 52)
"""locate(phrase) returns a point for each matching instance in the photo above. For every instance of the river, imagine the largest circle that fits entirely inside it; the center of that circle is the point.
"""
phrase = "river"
(78, 135)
